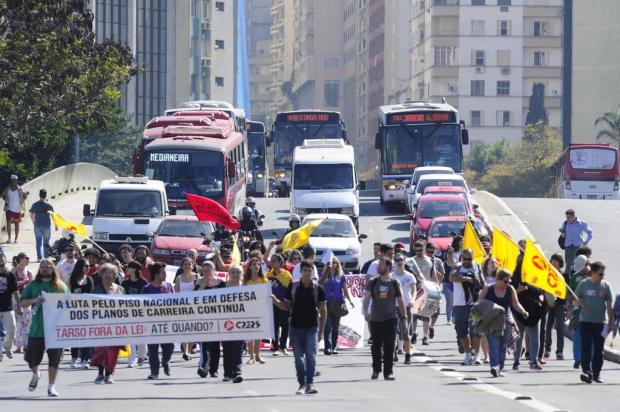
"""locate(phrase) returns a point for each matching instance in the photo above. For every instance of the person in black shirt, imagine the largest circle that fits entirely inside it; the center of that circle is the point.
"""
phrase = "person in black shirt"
(8, 291)
(80, 282)
(306, 300)
(133, 285)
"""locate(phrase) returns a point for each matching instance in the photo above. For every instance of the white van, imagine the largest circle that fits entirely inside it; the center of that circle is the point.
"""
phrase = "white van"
(128, 210)
(324, 180)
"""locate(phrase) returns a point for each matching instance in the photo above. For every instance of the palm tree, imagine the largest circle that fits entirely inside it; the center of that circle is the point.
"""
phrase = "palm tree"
(611, 120)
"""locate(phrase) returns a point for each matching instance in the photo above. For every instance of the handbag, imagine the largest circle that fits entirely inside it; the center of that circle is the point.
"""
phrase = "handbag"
(337, 308)
(562, 237)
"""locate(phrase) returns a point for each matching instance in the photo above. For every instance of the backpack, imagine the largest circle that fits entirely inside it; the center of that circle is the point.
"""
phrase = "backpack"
(315, 293)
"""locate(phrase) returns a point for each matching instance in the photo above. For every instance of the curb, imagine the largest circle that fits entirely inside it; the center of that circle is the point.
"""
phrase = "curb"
(609, 354)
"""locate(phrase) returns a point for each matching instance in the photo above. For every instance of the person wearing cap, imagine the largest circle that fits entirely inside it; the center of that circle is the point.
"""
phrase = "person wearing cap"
(39, 214)
(14, 204)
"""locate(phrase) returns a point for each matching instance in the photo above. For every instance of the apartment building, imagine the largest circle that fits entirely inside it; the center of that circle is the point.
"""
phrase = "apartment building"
(591, 80)
(187, 49)
(484, 57)
(259, 58)
(282, 40)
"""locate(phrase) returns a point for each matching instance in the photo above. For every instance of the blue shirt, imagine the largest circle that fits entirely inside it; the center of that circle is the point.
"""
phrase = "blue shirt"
(40, 210)
(574, 233)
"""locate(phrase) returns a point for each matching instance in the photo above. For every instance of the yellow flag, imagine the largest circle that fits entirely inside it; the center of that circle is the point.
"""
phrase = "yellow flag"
(471, 241)
(235, 256)
(537, 271)
(505, 250)
(61, 222)
(299, 237)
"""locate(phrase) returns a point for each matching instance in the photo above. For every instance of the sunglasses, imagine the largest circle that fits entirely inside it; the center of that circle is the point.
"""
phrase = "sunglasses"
(466, 259)
(419, 250)
(70, 250)
(399, 260)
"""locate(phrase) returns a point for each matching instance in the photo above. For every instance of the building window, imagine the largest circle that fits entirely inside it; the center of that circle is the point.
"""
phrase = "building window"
(503, 27)
(478, 2)
(219, 44)
(503, 88)
(476, 118)
(219, 81)
(503, 118)
(477, 27)
(540, 58)
(477, 87)
(504, 2)
(444, 56)
(332, 62)
(503, 57)
(477, 57)
(332, 93)
(219, 5)
(540, 28)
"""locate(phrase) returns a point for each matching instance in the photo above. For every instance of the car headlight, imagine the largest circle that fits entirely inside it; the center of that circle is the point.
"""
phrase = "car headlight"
(347, 210)
(352, 251)
(100, 235)
(259, 175)
(391, 187)
(163, 252)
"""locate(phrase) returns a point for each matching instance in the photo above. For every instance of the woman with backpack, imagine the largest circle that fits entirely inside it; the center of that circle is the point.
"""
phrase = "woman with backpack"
(335, 284)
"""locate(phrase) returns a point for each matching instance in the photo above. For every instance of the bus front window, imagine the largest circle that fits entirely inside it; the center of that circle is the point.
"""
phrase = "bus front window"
(256, 150)
(290, 135)
(196, 172)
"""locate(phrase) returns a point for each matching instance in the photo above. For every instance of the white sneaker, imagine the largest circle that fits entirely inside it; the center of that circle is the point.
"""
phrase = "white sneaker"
(73, 363)
(467, 361)
(85, 365)
(477, 360)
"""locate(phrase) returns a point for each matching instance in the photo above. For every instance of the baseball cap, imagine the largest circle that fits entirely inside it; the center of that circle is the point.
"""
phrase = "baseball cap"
(399, 245)
(14, 177)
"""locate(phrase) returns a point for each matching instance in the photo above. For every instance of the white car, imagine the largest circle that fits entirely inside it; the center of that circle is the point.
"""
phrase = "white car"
(417, 174)
(435, 180)
(338, 234)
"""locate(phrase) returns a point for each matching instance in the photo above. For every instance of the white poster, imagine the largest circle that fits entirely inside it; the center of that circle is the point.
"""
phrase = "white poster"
(352, 326)
(85, 320)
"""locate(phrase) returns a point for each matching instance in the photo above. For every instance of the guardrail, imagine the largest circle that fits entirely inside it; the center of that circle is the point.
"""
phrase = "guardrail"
(63, 180)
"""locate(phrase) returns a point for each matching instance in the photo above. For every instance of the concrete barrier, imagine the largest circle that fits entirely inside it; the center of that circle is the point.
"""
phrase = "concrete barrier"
(63, 180)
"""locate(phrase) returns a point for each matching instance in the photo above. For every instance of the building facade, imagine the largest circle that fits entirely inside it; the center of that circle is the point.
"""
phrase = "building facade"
(282, 40)
(259, 58)
(484, 57)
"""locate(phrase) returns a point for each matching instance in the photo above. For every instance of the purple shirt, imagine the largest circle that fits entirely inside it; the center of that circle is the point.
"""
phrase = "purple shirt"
(152, 289)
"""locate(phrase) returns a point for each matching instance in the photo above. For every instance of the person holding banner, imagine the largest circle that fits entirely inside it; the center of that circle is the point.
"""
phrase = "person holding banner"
(254, 276)
(79, 282)
(280, 279)
(133, 285)
(106, 357)
(556, 316)
(158, 285)
(47, 280)
(232, 350)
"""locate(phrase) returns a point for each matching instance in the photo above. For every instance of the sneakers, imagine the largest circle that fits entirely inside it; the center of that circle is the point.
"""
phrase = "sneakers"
(284, 352)
(99, 379)
(186, 357)
(547, 354)
(213, 374)
(515, 366)
(202, 372)
(310, 390)
(477, 360)
(109, 380)
(301, 390)
(585, 378)
(226, 379)
(414, 338)
(431, 333)
(85, 364)
(327, 352)
(238, 379)
(389, 377)
(407, 359)
(542, 361)
(425, 341)
(33, 383)
(598, 380)
(152, 377)
(73, 364)
(536, 366)
(334, 352)
(494, 372)
(52, 392)
(559, 356)
(140, 362)
(468, 360)
(375, 375)
(275, 353)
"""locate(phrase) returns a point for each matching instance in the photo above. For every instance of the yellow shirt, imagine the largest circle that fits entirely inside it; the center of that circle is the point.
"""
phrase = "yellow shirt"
(285, 277)
(259, 280)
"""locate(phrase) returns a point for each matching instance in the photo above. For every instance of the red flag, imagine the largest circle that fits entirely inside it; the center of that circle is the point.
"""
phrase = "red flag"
(209, 210)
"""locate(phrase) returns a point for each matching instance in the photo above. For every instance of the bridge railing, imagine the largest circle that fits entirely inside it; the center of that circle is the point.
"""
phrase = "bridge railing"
(63, 180)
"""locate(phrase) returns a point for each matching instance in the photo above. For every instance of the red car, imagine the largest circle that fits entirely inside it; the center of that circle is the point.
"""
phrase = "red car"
(432, 206)
(443, 229)
(176, 235)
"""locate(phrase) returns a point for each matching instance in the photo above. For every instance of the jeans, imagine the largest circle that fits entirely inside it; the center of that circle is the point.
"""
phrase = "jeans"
(232, 351)
(383, 335)
(570, 252)
(577, 345)
(542, 333)
(447, 293)
(330, 334)
(280, 323)
(82, 353)
(209, 355)
(591, 360)
(137, 352)
(532, 341)
(7, 319)
(42, 239)
(498, 346)
(304, 342)
(555, 320)
(166, 354)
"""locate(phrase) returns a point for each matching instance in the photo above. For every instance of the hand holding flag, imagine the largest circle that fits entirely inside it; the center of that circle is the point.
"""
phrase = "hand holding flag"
(209, 210)
(299, 237)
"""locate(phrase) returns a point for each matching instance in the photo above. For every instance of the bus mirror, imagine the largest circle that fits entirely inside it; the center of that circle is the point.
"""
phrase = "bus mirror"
(361, 185)
(86, 210)
(344, 135)
(268, 139)
(465, 136)
(173, 210)
(378, 141)
(232, 169)
(271, 135)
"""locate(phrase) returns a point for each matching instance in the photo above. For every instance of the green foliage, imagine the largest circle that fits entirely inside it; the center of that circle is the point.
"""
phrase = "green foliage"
(524, 170)
(611, 121)
(537, 112)
(483, 156)
(56, 82)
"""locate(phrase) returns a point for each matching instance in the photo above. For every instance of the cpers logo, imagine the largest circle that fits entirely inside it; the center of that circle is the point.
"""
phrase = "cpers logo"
(229, 325)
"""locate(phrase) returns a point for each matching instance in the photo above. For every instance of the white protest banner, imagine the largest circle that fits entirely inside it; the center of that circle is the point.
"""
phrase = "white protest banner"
(352, 326)
(85, 320)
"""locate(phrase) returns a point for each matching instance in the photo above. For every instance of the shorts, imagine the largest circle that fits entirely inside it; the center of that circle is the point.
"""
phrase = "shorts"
(35, 350)
(13, 217)
(461, 315)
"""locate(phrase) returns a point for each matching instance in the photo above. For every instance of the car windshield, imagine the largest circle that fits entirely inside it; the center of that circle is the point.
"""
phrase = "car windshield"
(198, 172)
(333, 228)
(407, 147)
(416, 176)
(323, 176)
(446, 229)
(423, 184)
(290, 135)
(256, 150)
(440, 208)
(184, 228)
(138, 203)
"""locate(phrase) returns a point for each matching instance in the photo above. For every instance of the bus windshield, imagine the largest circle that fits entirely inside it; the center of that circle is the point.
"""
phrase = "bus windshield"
(323, 176)
(290, 135)
(198, 172)
(407, 147)
(256, 150)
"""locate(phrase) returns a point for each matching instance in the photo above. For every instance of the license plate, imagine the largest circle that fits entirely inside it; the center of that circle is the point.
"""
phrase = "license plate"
(591, 197)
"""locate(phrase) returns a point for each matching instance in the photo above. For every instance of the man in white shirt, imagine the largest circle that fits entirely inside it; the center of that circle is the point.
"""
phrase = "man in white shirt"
(14, 203)
(65, 267)
(408, 286)
(308, 253)
(387, 251)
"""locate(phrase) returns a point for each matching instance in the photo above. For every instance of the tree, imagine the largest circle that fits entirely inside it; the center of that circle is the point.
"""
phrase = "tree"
(537, 112)
(611, 120)
(56, 82)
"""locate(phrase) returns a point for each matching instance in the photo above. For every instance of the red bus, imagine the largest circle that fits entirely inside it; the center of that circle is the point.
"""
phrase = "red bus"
(588, 171)
(207, 161)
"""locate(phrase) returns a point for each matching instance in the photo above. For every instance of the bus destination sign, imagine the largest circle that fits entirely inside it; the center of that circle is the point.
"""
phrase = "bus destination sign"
(421, 117)
(308, 117)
